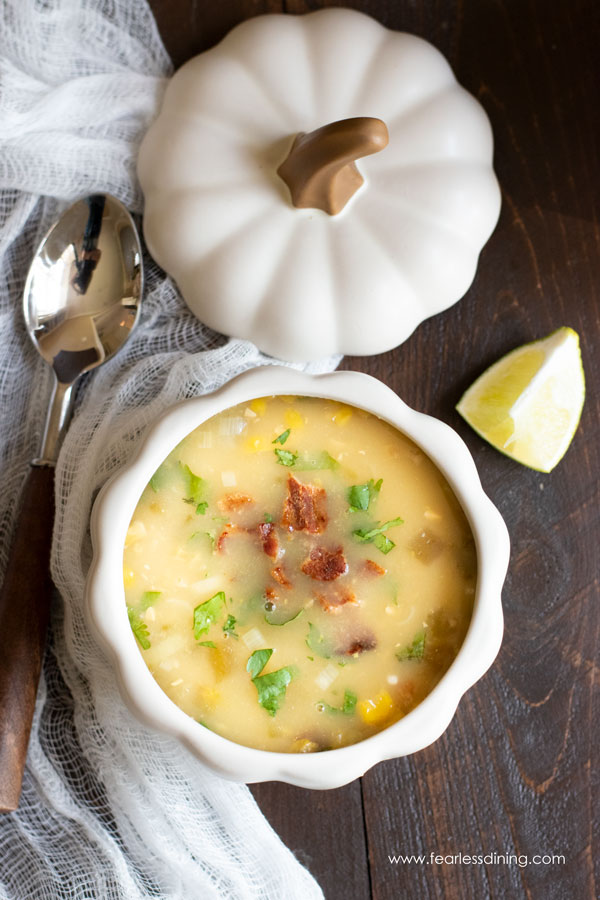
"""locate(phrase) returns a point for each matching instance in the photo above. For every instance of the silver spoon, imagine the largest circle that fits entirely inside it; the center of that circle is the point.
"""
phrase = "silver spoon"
(81, 301)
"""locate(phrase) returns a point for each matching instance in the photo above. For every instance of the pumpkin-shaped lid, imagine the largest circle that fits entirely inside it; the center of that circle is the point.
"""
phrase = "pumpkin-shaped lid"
(286, 224)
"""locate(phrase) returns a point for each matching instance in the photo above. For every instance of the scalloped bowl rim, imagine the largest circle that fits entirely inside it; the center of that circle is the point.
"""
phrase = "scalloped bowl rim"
(105, 597)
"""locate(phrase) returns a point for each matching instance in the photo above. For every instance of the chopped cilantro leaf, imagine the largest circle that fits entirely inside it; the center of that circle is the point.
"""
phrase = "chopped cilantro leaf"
(139, 628)
(194, 485)
(257, 661)
(282, 437)
(272, 687)
(285, 457)
(270, 620)
(322, 461)
(383, 543)
(229, 626)
(148, 598)
(209, 534)
(210, 644)
(375, 535)
(207, 613)
(158, 479)
(316, 642)
(360, 495)
(201, 508)
(347, 707)
(415, 650)
(268, 517)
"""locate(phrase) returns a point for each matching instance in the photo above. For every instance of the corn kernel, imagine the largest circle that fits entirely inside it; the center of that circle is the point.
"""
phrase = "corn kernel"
(376, 710)
(259, 406)
(293, 419)
(255, 444)
(128, 577)
(342, 415)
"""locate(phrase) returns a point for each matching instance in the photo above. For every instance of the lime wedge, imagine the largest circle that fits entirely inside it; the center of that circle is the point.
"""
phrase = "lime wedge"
(528, 404)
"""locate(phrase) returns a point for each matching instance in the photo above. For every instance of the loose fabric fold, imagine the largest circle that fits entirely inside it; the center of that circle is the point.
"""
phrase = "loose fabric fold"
(109, 809)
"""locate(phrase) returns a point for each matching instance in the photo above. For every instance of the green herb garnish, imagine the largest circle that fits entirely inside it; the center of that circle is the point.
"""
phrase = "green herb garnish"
(285, 621)
(148, 598)
(416, 650)
(322, 461)
(257, 661)
(272, 687)
(268, 518)
(383, 543)
(207, 613)
(229, 626)
(139, 628)
(158, 479)
(360, 495)
(347, 708)
(376, 535)
(209, 534)
(210, 644)
(201, 508)
(316, 642)
(194, 485)
(282, 437)
(285, 457)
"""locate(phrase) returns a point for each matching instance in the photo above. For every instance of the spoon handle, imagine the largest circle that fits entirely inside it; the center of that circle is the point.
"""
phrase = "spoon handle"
(24, 612)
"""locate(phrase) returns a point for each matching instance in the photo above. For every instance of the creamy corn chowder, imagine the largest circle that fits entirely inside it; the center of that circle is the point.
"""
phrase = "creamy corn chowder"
(298, 574)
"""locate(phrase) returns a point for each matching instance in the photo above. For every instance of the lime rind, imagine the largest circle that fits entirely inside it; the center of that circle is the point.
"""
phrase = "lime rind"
(528, 404)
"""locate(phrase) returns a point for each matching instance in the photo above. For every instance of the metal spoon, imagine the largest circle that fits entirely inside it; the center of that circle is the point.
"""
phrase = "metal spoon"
(81, 301)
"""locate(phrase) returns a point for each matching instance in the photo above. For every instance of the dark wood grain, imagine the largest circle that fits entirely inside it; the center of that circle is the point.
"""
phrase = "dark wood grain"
(25, 599)
(516, 771)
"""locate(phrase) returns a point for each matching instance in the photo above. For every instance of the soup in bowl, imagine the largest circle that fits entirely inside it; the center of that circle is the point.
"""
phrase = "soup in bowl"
(305, 576)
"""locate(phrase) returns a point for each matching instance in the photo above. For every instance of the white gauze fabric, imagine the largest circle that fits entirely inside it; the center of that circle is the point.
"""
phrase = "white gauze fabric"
(109, 809)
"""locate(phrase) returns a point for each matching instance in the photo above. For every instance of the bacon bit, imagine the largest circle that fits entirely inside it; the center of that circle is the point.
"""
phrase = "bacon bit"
(270, 541)
(333, 601)
(271, 594)
(278, 575)
(228, 530)
(325, 565)
(304, 507)
(234, 502)
(372, 568)
(366, 641)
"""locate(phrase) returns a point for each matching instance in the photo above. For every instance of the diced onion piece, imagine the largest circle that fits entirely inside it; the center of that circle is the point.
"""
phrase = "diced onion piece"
(150, 614)
(228, 478)
(249, 413)
(177, 682)
(327, 676)
(208, 586)
(167, 664)
(431, 514)
(204, 439)
(253, 639)
(392, 679)
(167, 649)
(232, 425)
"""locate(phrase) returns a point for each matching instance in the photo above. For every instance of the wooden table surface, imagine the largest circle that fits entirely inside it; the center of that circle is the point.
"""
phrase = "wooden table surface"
(516, 771)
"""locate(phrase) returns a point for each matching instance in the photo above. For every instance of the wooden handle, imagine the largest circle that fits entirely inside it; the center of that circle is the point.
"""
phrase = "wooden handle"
(24, 612)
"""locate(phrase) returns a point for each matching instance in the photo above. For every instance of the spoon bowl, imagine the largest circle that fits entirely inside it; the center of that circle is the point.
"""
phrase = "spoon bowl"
(81, 301)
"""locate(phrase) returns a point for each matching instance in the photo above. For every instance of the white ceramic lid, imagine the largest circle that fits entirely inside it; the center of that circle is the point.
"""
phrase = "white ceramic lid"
(301, 283)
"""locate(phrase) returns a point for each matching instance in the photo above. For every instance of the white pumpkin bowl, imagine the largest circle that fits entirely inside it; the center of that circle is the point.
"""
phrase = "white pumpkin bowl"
(107, 613)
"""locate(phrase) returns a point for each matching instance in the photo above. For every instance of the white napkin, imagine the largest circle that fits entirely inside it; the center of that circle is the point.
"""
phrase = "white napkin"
(109, 810)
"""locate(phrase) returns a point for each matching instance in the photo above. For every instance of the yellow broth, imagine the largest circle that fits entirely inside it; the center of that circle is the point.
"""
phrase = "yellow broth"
(298, 574)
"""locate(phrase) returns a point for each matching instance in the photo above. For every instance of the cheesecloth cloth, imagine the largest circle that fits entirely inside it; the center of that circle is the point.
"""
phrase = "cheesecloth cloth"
(109, 810)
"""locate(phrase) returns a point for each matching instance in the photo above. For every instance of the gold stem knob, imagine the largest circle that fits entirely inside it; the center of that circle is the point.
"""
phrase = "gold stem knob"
(320, 170)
